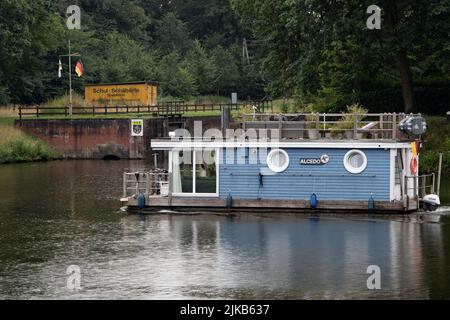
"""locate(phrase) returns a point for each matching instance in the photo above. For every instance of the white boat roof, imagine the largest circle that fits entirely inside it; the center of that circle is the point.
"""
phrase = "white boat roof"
(174, 143)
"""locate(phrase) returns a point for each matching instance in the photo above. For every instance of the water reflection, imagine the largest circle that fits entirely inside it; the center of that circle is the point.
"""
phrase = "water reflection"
(63, 213)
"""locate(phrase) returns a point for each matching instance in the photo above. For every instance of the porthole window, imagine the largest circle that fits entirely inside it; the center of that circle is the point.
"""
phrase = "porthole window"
(355, 161)
(277, 160)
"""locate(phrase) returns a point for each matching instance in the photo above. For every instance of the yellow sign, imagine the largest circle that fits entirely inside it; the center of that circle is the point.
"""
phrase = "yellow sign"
(131, 94)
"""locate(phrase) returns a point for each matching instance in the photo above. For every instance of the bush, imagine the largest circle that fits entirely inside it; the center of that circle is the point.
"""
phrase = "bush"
(19, 147)
(429, 162)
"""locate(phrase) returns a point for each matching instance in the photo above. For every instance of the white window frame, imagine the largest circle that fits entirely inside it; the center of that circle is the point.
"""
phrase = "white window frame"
(193, 193)
(272, 166)
(349, 167)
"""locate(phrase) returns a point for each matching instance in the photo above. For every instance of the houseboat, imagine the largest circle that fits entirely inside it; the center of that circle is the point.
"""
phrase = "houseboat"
(294, 162)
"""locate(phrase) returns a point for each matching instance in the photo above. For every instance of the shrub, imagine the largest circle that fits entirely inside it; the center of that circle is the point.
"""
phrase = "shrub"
(19, 147)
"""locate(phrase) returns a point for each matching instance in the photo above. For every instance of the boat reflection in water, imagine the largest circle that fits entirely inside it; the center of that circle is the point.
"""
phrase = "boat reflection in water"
(285, 256)
(63, 213)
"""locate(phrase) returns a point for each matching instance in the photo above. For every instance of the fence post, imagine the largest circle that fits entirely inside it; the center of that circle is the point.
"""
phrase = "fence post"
(20, 114)
(37, 111)
(65, 111)
(355, 126)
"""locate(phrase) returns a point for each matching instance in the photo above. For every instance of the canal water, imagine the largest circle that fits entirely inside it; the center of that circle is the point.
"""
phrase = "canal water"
(57, 215)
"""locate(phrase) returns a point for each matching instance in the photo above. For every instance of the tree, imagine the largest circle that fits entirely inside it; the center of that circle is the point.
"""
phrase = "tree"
(227, 75)
(172, 34)
(28, 33)
(175, 80)
(124, 60)
(201, 66)
(301, 35)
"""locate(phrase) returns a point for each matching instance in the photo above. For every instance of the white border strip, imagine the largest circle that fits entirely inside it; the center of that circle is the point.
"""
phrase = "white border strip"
(199, 144)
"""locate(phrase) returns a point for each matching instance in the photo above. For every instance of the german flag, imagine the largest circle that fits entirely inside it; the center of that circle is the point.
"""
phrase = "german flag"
(79, 68)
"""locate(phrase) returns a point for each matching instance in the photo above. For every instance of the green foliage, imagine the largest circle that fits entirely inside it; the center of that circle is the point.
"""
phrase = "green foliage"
(323, 48)
(19, 147)
(127, 60)
(172, 34)
(437, 140)
(201, 66)
(125, 40)
(28, 33)
(347, 120)
(176, 80)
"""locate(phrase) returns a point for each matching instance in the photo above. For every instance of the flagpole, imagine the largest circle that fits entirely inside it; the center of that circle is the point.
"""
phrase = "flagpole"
(70, 82)
(70, 75)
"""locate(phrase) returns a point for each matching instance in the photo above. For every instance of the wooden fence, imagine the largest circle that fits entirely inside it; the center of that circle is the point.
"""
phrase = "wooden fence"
(164, 109)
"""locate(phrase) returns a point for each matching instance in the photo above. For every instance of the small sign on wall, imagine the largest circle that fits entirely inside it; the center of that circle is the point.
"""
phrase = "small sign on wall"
(324, 159)
(137, 127)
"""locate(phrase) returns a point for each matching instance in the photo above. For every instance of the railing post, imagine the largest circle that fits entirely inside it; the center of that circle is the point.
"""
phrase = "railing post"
(382, 126)
(37, 111)
(424, 191)
(124, 184)
(433, 176)
(415, 186)
(147, 184)
(93, 110)
(394, 126)
(65, 111)
(355, 126)
(170, 189)
(106, 110)
(20, 114)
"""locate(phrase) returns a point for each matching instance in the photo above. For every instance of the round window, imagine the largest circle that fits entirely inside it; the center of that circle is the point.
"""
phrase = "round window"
(355, 161)
(277, 160)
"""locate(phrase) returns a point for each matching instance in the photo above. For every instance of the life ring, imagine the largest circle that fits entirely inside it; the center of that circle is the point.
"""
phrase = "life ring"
(413, 165)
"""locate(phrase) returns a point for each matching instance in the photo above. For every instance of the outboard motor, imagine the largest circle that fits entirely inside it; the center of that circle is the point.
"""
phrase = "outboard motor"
(430, 202)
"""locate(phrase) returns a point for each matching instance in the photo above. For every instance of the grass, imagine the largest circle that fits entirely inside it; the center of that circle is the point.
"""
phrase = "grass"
(8, 111)
(16, 146)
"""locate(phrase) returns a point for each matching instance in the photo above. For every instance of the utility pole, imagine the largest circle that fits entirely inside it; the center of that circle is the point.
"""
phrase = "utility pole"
(70, 55)
(245, 56)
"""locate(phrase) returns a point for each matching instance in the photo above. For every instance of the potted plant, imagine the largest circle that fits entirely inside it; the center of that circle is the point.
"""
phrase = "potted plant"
(346, 124)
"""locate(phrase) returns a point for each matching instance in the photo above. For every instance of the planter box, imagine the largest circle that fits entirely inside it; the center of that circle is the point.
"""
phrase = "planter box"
(313, 134)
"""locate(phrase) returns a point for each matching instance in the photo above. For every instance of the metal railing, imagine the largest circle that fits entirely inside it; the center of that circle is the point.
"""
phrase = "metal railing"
(151, 182)
(421, 185)
(329, 125)
(163, 109)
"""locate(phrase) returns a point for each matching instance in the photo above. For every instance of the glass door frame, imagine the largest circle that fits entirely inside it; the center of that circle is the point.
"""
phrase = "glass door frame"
(193, 157)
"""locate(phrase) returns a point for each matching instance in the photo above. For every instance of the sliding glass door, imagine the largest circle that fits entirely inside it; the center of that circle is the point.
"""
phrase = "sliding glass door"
(195, 172)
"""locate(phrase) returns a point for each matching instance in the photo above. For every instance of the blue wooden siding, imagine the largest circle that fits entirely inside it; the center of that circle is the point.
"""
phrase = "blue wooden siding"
(330, 181)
